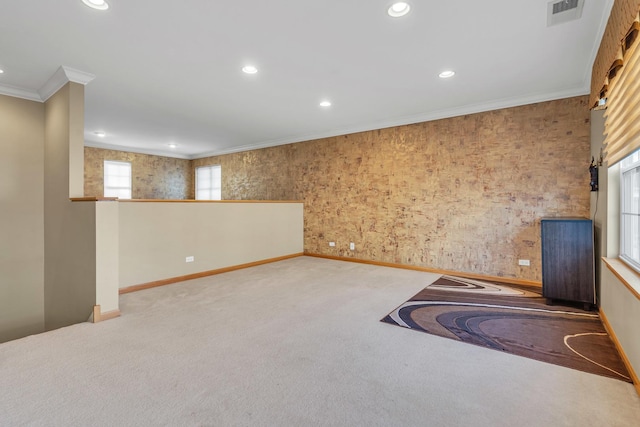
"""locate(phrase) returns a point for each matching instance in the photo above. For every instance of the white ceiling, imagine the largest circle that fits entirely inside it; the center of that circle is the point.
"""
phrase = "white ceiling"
(170, 71)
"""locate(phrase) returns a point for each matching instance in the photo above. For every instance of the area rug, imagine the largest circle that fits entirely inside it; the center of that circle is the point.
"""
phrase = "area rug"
(514, 319)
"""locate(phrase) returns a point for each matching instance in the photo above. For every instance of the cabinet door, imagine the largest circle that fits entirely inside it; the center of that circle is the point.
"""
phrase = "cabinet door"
(567, 260)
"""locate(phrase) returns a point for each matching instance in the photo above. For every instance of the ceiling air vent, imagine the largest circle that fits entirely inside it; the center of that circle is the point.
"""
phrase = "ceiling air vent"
(561, 11)
(564, 5)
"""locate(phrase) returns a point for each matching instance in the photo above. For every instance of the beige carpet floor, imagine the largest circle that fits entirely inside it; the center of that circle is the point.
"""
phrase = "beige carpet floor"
(293, 343)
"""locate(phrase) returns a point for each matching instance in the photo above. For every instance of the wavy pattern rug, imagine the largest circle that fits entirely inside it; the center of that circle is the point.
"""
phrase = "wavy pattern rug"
(514, 319)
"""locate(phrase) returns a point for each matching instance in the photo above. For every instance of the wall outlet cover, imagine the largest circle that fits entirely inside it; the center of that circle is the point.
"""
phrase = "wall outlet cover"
(189, 259)
(524, 262)
(332, 244)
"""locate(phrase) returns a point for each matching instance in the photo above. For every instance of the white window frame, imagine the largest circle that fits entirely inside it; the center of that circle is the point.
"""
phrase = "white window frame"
(630, 210)
(209, 182)
(117, 184)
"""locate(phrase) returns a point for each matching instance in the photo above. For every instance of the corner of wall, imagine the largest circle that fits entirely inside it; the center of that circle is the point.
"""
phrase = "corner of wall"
(69, 228)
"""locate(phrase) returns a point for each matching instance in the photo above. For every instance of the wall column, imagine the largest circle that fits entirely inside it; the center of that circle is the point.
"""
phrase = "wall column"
(69, 228)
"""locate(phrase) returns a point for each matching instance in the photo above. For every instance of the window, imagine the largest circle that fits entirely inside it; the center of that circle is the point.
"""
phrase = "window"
(117, 179)
(209, 183)
(630, 210)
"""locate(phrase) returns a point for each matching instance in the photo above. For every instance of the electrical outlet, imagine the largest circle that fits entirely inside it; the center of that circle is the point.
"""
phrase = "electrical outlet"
(524, 262)
(332, 244)
(352, 246)
(189, 259)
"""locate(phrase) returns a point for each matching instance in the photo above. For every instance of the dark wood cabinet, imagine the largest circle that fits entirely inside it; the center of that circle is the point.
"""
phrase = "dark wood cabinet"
(568, 260)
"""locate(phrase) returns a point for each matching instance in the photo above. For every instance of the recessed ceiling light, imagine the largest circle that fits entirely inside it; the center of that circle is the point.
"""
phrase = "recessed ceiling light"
(96, 4)
(249, 69)
(173, 145)
(1, 71)
(325, 104)
(100, 133)
(399, 9)
(446, 74)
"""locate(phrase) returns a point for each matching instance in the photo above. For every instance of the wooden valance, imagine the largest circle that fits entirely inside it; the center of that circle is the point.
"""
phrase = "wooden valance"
(620, 33)
(622, 118)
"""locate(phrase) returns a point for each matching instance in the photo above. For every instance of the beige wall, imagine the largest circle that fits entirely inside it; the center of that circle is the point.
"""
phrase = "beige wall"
(155, 237)
(619, 305)
(622, 310)
(107, 255)
(22, 225)
(154, 177)
(69, 228)
(464, 194)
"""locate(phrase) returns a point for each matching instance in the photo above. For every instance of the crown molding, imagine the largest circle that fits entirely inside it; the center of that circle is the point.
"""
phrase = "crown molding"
(78, 76)
(408, 120)
(61, 77)
(401, 121)
(398, 121)
(127, 149)
(18, 92)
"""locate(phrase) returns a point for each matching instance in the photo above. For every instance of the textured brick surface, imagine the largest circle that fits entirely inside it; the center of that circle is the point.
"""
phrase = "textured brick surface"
(463, 194)
(154, 177)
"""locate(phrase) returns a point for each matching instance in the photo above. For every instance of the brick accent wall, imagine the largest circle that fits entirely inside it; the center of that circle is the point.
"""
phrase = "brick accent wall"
(464, 194)
(153, 177)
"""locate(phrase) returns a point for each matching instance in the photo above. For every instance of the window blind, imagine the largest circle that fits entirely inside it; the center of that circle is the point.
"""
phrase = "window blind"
(117, 179)
(606, 63)
(622, 117)
(209, 183)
